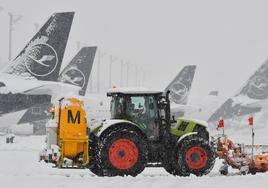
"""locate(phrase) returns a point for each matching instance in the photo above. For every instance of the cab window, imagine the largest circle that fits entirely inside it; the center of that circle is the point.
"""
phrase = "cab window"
(116, 108)
(135, 106)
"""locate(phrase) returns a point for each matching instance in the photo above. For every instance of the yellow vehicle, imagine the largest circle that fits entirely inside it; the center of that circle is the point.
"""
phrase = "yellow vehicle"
(67, 135)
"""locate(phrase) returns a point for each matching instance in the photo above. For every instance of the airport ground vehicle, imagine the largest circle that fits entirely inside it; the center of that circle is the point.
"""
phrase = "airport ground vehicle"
(67, 135)
(260, 163)
(237, 156)
(141, 133)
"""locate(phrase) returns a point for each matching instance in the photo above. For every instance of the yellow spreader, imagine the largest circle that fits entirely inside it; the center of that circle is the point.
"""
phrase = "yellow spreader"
(67, 134)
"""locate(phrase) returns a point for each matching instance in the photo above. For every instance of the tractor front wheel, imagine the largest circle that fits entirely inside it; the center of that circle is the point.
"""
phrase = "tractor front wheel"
(196, 156)
(170, 165)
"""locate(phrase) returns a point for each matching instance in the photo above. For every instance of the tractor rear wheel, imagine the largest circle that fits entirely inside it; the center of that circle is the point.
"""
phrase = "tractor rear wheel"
(93, 149)
(123, 152)
(96, 169)
(196, 156)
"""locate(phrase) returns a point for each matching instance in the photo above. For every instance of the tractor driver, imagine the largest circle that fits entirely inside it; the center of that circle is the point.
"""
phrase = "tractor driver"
(135, 108)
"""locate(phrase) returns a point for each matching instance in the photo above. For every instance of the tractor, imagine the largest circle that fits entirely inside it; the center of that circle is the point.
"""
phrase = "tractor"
(141, 133)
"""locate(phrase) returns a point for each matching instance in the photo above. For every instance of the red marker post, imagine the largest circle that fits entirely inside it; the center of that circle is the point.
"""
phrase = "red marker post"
(251, 122)
(221, 125)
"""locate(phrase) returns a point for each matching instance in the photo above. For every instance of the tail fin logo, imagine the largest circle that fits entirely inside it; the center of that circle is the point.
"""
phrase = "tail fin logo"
(42, 59)
(178, 92)
(74, 76)
(258, 87)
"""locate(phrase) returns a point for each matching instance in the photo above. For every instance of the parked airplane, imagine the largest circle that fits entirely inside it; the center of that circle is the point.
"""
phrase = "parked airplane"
(249, 100)
(76, 73)
(30, 78)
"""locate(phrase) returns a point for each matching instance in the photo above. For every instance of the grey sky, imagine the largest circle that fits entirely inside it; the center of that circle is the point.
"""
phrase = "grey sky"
(228, 40)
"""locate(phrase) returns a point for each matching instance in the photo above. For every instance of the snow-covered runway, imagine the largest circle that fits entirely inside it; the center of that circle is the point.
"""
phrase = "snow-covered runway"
(19, 167)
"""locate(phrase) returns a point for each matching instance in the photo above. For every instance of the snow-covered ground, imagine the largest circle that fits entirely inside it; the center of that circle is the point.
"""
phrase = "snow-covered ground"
(19, 168)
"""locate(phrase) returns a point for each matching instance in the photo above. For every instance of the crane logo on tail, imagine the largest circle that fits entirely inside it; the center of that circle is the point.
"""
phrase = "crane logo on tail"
(74, 76)
(42, 59)
(258, 87)
(178, 92)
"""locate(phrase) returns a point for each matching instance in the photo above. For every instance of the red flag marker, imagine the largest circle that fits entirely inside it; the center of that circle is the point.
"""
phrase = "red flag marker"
(250, 120)
(221, 123)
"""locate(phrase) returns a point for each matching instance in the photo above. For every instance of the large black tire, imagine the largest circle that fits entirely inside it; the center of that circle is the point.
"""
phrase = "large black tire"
(96, 169)
(196, 156)
(170, 165)
(122, 152)
(170, 168)
(94, 166)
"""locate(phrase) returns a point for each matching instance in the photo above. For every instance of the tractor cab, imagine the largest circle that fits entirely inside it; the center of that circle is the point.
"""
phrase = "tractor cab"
(141, 107)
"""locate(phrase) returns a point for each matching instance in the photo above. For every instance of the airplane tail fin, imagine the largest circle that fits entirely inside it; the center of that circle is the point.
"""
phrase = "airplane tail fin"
(255, 89)
(181, 85)
(42, 57)
(257, 85)
(77, 72)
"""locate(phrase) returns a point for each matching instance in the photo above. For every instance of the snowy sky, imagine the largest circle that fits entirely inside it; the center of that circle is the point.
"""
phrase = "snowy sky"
(228, 39)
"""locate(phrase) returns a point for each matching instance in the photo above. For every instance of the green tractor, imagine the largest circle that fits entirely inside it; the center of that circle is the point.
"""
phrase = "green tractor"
(142, 134)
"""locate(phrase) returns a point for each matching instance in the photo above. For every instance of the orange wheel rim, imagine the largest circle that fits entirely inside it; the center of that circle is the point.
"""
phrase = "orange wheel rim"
(196, 158)
(123, 154)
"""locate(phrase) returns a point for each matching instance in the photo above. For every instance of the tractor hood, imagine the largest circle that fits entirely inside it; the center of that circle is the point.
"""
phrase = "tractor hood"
(201, 122)
(98, 127)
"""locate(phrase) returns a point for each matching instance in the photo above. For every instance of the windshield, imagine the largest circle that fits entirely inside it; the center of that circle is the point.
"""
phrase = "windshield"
(141, 107)
(133, 107)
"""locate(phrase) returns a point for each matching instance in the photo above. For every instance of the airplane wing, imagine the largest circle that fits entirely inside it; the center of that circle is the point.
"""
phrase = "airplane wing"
(179, 110)
(14, 84)
(55, 89)
(258, 104)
